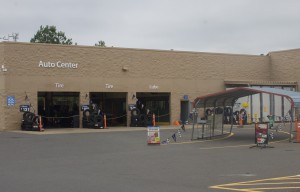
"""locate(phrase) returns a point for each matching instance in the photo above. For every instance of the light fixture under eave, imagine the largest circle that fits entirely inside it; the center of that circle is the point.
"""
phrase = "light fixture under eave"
(3, 68)
(125, 68)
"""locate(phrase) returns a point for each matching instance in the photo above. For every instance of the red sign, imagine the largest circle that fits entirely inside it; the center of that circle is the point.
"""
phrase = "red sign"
(261, 133)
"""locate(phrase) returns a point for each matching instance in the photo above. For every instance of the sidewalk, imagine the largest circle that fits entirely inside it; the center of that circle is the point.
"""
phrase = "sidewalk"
(53, 131)
(86, 130)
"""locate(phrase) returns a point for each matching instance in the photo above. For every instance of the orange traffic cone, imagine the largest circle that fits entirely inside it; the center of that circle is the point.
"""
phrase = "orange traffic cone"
(177, 123)
(41, 125)
(104, 121)
(240, 121)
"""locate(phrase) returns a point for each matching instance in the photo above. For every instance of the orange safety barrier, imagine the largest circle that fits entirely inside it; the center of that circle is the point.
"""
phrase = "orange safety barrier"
(153, 120)
(104, 121)
(177, 123)
(240, 120)
(41, 125)
(297, 127)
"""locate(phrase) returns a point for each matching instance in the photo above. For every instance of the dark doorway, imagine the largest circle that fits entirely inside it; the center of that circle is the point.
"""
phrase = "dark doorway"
(157, 103)
(59, 109)
(113, 105)
(184, 111)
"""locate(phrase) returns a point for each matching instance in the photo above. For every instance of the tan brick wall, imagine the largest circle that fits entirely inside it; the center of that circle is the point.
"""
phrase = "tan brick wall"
(285, 65)
(2, 90)
(180, 73)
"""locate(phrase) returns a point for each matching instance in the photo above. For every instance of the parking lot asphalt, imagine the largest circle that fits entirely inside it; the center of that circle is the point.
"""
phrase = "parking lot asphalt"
(119, 159)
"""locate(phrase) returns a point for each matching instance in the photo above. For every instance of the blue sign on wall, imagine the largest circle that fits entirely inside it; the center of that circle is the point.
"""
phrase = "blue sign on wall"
(84, 107)
(24, 108)
(131, 106)
(11, 101)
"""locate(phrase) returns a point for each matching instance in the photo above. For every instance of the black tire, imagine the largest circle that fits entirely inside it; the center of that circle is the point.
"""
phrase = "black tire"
(134, 122)
(87, 113)
(236, 116)
(24, 114)
(100, 121)
(27, 121)
(96, 121)
(142, 118)
(29, 116)
(27, 124)
(219, 110)
(227, 111)
(36, 119)
(27, 128)
(208, 112)
(91, 118)
(85, 123)
(135, 112)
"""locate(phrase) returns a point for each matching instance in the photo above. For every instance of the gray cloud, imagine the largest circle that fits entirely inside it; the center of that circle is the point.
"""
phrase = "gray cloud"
(231, 26)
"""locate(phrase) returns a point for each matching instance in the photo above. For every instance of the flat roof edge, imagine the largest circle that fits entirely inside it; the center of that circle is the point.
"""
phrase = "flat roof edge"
(262, 82)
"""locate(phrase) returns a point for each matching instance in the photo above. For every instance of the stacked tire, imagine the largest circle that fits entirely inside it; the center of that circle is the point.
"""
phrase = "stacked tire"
(140, 120)
(30, 122)
(227, 115)
(236, 117)
(243, 113)
(135, 114)
(91, 119)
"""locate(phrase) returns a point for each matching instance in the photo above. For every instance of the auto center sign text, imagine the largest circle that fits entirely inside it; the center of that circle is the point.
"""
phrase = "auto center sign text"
(58, 64)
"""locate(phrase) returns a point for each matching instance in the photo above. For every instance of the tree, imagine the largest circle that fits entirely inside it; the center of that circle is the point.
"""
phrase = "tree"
(100, 44)
(49, 34)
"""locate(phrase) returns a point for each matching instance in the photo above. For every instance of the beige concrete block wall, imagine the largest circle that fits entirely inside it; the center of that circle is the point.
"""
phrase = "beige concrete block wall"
(108, 63)
(179, 73)
(13, 116)
(2, 90)
(2, 105)
(285, 65)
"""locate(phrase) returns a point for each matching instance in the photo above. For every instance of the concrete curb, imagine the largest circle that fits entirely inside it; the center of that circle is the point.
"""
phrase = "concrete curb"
(85, 130)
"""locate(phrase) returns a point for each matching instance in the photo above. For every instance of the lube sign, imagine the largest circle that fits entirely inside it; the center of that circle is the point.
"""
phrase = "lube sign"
(153, 87)
(58, 64)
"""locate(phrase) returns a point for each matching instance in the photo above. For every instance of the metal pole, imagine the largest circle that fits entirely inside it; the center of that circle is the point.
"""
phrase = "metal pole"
(193, 129)
(231, 115)
(291, 123)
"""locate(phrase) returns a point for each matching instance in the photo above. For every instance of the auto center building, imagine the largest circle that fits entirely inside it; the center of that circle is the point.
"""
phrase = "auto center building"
(56, 80)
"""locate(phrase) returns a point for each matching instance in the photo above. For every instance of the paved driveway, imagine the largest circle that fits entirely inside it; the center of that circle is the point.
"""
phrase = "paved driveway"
(118, 160)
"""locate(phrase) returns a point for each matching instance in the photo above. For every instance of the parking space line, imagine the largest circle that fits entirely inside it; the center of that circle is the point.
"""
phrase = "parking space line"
(262, 184)
(202, 141)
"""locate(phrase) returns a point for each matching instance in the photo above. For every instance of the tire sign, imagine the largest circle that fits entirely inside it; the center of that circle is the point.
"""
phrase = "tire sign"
(84, 107)
(24, 108)
(153, 135)
(131, 106)
(261, 134)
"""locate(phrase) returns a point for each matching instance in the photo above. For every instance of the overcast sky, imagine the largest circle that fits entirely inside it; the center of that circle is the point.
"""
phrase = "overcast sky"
(222, 26)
